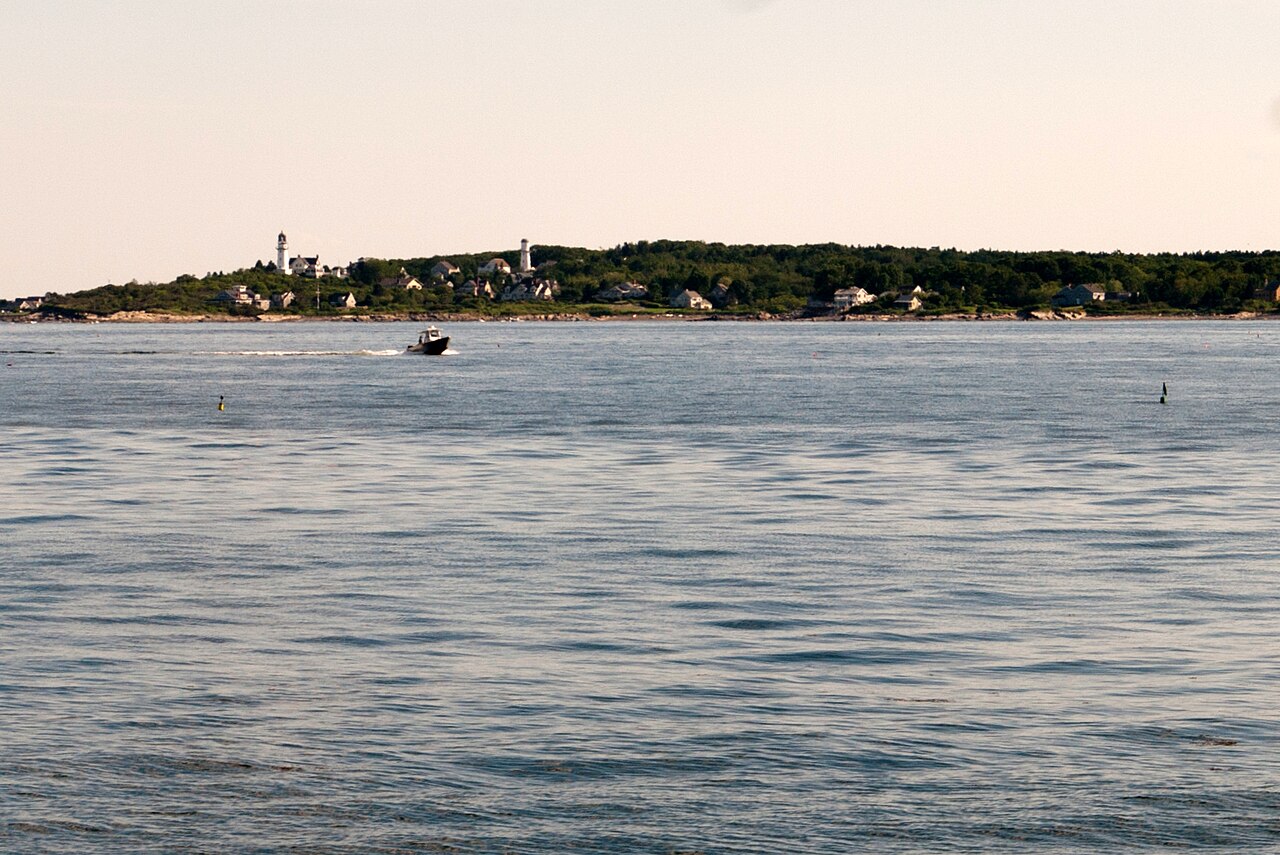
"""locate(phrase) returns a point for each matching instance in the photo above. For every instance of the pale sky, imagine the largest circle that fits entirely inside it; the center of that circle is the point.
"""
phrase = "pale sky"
(145, 139)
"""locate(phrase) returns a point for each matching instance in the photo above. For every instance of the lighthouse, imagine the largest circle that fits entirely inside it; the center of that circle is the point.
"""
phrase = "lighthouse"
(282, 254)
(526, 265)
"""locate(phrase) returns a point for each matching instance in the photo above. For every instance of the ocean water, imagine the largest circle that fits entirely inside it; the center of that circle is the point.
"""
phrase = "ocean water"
(640, 587)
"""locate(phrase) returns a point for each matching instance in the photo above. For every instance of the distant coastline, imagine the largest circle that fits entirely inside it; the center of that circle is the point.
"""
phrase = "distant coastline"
(695, 280)
(144, 317)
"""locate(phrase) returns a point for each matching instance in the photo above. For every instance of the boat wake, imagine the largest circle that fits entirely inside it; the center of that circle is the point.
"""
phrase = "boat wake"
(298, 353)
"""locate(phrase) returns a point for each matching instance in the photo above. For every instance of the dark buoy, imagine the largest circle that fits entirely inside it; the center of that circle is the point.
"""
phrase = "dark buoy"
(1164, 393)
(222, 404)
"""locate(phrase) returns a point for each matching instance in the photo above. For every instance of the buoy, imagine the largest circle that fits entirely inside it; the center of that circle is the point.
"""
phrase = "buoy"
(222, 405)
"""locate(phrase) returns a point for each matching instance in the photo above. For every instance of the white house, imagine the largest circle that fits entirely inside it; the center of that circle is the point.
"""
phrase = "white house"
(343, 301)
(305, 266)
(283, 301)
(687, 299)
(847, 298)
(907, 300)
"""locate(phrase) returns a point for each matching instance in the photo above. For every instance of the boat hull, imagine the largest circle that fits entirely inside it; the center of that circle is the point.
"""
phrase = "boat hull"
(431, 348)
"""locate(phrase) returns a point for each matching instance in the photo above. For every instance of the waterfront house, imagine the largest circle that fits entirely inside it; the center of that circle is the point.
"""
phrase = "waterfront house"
(908, 300)
(687, 299)
(720, 296)
(1079, 295)
(342, 301)
(403, 282)
(1269, 292)
(283, 301)
(623, 291)
(847, 298)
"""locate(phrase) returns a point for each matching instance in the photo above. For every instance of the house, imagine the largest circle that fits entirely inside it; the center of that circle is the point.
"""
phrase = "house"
(720, 296)
(261, 303)
(687, 299)
(335, 272)
(239, 295)
(342, 301)
(1079, 295)
(495, 265)
(624, 291)
(847, 298)
(1269, 292)
(909, 301)
(443, 269)
(283, 301)
(27, 304)
(472, 288)
(403, 282)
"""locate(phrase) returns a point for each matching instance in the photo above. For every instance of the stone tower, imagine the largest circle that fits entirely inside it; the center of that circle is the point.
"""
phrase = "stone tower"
(282, 254)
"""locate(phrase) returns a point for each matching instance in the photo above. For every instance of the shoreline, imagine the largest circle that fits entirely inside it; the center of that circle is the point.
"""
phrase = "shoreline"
(145, 317)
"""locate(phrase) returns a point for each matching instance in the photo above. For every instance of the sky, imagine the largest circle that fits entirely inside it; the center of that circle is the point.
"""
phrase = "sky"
(143, 139)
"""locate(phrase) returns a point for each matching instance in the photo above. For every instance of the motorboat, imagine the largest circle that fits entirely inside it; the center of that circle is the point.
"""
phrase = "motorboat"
(430, 343)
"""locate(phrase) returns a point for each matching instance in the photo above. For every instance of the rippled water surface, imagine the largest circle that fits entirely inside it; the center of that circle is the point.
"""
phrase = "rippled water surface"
(639, 587)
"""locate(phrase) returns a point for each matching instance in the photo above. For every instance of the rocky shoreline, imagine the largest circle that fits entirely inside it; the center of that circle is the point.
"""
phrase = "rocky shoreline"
(143, 317)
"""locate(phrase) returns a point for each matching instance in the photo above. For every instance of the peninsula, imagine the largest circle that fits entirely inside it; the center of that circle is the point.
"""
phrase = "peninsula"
(681, 278)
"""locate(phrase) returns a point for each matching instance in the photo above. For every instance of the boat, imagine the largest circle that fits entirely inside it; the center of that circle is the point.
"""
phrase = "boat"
(430, 342)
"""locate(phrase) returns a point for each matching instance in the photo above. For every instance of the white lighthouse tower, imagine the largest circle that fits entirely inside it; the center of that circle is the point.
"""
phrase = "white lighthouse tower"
(282, 254)
(526, 264)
